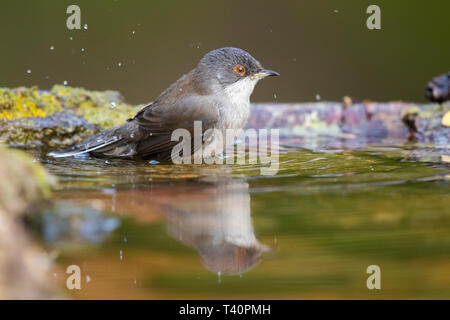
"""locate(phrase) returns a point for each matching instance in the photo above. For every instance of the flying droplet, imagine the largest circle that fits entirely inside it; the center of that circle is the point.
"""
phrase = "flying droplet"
(29, 71)
(70, 38)
(52, 48)
(113, 104)
(121, 255)
(125, 239)
(153, 162)
(82, 49)
(88, 279)
(275, 95)
(336, 11)
(85, 26)
(133, 32)
(65, 82)
(119, 64)
(317, 97)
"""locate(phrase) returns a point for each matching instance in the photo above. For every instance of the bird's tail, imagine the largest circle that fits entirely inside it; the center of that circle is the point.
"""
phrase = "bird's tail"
(113, 143)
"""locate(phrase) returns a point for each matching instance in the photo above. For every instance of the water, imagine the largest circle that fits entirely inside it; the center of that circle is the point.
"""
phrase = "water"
(311, 231)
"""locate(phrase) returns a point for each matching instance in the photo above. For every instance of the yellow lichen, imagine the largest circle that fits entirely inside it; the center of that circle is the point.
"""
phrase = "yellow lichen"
(26, 102)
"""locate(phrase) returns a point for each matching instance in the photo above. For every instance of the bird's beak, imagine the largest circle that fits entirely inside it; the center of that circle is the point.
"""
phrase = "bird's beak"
(264, 73)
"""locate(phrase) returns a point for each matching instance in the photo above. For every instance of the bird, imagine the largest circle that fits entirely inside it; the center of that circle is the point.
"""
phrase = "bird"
(216, 93)
(438, 89)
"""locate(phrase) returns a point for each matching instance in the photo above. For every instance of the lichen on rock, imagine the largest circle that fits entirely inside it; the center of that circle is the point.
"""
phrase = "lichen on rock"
(27, 102)
(64, 115)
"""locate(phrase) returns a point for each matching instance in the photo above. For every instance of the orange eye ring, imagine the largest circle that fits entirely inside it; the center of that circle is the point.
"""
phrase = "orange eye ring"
(240, 69)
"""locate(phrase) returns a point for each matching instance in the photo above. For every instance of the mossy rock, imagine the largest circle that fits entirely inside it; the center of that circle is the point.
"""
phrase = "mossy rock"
(62, 116)
(26, 181)
(33, 118)
(23, 265)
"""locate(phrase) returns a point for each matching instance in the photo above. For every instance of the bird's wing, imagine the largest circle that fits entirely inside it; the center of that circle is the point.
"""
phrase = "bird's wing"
(161, 120)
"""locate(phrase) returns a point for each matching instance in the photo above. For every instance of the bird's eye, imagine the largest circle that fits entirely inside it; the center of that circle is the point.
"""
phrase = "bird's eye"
(240, 69)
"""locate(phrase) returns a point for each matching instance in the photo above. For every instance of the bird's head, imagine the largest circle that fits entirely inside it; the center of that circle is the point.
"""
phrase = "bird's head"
(233, 70)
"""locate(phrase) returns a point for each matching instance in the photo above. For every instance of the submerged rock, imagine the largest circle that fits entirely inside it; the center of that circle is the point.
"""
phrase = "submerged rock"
(23, 266)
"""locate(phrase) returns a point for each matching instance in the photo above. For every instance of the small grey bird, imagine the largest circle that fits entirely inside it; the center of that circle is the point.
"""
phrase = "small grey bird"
(217, 93)
(438, 89)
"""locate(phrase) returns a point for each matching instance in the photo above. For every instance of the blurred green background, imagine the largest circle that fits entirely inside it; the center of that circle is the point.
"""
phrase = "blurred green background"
(319, 47)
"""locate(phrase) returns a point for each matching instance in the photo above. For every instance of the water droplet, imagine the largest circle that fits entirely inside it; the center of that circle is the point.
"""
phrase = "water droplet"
(275, 95)
(153, 162)
(85, 26)
(65, 82)
(119, 64)
(133, 32)
(181, 89)
(52, 48)
(125, 239)
(132, 135)
(106, 161)
(70, 38)
(219, 279)
(88, 279)
(82, 49)
(318, 97)
(29, 71)
(113, 104)
(336, 11)
(121, 255)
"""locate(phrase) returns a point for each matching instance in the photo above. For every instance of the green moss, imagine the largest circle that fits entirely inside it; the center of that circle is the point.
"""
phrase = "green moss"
(105, 109)
(27, 181)
(27, 102)
(25, 115)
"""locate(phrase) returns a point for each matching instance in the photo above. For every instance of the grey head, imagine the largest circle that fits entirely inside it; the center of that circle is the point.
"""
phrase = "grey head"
(231, 67)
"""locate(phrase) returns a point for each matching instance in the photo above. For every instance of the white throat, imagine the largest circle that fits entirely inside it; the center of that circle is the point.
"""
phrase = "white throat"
(239, 92)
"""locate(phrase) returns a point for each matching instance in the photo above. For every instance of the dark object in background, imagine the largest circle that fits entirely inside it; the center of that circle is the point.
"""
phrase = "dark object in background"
(438, 89)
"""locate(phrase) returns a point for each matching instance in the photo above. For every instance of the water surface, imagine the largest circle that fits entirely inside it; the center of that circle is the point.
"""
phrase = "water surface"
(164, 231)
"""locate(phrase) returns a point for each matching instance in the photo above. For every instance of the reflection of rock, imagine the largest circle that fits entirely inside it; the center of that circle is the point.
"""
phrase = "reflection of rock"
(23, 267)
(219, 228)
(65, 222)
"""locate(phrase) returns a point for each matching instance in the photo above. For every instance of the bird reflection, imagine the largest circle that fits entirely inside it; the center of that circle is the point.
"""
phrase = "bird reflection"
(213, 217)
(219, 227)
